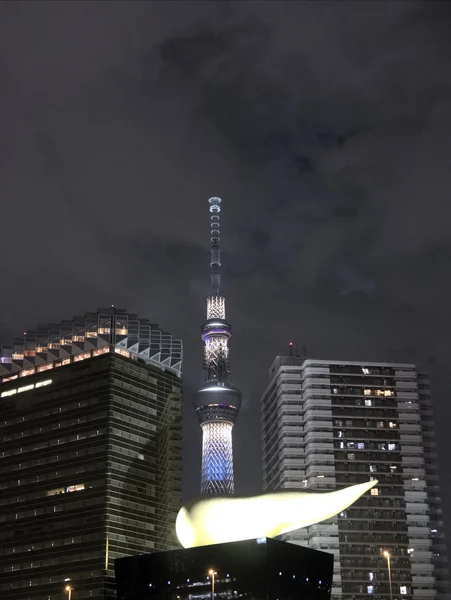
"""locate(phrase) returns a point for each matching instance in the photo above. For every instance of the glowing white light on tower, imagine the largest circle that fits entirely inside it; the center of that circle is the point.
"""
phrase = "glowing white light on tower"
(215, 349)
(215, 307)
(217, 458)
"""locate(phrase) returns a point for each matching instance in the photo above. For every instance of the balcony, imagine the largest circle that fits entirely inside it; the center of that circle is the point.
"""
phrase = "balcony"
(409, 427)
(405, 438)
(318, 447)
(420, 580)
(318, 414)
(315, 470)
(318, 458)
(423, 594)
(317, 436)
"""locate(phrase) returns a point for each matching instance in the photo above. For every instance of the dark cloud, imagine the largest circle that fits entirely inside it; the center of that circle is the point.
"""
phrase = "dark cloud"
(326, 132)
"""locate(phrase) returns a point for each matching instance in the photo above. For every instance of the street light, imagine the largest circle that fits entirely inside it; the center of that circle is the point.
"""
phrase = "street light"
(386, 555)
(68, 589)
(212, 575)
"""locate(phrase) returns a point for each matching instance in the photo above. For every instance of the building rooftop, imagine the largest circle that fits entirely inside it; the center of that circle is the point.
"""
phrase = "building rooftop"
(106, 330)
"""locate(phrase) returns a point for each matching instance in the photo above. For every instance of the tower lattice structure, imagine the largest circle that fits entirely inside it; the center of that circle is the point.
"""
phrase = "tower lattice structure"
(217, 402)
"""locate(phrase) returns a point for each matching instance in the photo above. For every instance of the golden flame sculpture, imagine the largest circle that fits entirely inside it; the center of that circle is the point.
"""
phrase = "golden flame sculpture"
(216, 520)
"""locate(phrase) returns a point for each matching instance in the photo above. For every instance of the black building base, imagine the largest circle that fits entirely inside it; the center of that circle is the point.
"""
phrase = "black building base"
(262, 569)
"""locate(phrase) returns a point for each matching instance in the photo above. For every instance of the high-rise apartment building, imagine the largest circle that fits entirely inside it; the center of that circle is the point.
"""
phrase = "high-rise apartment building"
(90, 453)
(329, 424)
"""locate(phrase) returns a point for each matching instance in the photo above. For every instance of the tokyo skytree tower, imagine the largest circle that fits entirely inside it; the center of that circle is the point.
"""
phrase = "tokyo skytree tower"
(217, 402)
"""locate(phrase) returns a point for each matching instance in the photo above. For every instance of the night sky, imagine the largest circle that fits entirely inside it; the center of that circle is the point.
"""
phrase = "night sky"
(326, 130)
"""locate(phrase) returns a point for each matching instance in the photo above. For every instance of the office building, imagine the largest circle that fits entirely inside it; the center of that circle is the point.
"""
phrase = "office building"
(329, 424)
(262, 569)
(217, 402)
(90, 453)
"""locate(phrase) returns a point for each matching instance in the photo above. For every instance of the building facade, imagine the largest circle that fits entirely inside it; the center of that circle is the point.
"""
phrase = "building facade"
(90, 453)
(256, 569)
(217, 402)
(330, 424)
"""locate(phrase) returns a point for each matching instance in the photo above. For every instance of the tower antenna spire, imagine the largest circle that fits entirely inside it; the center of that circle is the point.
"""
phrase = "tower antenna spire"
(215, 251)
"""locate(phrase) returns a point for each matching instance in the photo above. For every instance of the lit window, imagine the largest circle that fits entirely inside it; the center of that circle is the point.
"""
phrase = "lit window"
(368, 402)
(379, 392)
(372, 469)
(367, 391)
(45, 367)
(320, 476)
(82, 356)
(374, 492)
(380, 424)
(392, 446)
(361, 445)
(53, 346)
(8, 393)
(5, 379)
(366, 371)
(389, 393)
(371, 576)
(78, 338)
(75, 488)
(103, 330)
(403, 590)
(370, 589)
(393, 468)
(340, 434)
(55, 492)
(66, 341)
(91, 334)
(342, 444)
(25, 388)
(335, 390)
(26, 372)
(122, 352)
(41, 349)
(5, 359)
(30, 353)
(121, 332)
(392, 425)
(98, 351)
(351, 456)
(43, 383)
(382, 446)
(350, 445)
(17, 356)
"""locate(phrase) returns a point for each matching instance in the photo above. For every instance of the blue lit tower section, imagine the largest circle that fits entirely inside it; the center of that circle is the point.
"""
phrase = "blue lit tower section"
(217, 402)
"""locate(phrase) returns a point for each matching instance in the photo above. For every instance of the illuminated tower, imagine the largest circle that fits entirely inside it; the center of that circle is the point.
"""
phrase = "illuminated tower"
(217, 402)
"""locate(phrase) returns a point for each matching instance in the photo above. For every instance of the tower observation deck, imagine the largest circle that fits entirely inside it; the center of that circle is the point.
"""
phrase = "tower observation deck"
(217, 402)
